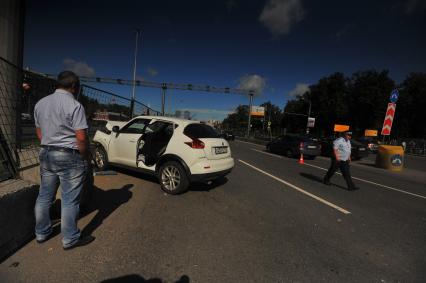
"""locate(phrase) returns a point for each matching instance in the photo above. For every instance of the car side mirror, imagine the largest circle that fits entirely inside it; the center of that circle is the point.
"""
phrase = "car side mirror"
(115, 129)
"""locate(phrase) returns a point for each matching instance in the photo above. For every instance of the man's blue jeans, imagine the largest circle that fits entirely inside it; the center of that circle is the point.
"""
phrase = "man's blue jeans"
(68, 169)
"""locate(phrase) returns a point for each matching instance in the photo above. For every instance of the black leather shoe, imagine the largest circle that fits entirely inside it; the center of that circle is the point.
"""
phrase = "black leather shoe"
(81, 242)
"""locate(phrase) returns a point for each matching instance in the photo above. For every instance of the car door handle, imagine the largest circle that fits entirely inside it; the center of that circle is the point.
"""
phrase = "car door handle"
(132, 140)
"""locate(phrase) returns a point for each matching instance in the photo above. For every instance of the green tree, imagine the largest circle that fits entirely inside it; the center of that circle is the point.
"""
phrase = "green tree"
(410, 108)
(369, 93)
(238, 119)
(329, 102)
(272, 113)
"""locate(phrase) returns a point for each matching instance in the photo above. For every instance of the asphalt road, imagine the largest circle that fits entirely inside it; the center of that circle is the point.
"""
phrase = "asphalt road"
(270, 220)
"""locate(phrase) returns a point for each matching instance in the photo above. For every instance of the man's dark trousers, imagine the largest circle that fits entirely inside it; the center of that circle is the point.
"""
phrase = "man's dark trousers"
(344, 168)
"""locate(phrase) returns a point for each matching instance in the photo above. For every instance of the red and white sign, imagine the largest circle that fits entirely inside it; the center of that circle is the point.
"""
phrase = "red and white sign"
(387, 124)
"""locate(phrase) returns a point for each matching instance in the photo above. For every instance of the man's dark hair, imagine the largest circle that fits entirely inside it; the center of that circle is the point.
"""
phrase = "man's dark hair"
(68, 79)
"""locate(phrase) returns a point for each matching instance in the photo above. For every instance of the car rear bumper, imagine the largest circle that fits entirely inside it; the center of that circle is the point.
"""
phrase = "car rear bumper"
(206, 170)
(209, 176)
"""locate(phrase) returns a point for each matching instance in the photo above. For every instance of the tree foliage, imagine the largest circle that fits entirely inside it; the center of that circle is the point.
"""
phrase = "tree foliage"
(359, 101)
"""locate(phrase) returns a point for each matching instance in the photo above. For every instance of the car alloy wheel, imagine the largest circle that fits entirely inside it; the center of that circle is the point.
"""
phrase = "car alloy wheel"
(173, 178)
(170, 178)
(101, 159)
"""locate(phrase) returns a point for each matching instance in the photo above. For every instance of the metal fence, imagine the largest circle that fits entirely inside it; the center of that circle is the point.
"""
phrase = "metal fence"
(20, 90)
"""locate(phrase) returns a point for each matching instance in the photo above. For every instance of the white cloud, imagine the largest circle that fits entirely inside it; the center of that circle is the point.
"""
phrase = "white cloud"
(252, 82)
(279, 16)
(152, 72)
(78, 67)
(300, 89)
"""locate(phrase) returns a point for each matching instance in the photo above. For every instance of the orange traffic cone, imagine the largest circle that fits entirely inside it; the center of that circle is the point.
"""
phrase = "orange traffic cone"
(301, 159)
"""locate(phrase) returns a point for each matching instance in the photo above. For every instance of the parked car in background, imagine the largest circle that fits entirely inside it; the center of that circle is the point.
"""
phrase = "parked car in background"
(371, 143)
(227, 135)
(176, 151)
(293, 145)
(358, 150)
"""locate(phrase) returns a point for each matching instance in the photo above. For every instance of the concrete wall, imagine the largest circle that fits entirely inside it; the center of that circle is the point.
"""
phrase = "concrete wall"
(17, 199)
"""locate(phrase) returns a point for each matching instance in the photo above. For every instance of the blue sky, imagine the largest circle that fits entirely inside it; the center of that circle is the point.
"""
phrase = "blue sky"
(278, 46)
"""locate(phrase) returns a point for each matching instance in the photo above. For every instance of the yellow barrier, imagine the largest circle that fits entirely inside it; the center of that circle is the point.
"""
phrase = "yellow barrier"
(390, 157)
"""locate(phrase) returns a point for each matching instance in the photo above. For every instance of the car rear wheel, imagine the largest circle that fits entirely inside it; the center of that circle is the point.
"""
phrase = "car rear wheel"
(101, 158)
(173, 178)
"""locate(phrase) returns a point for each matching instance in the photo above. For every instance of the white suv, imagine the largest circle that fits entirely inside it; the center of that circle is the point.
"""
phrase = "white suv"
(177, 151)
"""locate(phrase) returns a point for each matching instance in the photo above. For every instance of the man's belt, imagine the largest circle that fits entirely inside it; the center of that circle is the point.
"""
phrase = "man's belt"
(59, 148)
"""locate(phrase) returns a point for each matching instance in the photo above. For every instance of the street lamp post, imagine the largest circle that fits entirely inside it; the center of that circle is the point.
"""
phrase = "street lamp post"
(309, 115)
(132, 106)
(249, 114)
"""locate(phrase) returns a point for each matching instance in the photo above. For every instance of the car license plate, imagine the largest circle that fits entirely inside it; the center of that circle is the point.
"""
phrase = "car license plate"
(361, 149)
(221, 150)
(312, 146)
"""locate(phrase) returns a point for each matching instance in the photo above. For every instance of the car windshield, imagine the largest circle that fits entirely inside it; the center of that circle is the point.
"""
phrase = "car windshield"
(200, 131)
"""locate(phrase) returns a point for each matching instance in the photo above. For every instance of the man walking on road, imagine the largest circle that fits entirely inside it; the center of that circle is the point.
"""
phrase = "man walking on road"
(61, 128)
(340, 158)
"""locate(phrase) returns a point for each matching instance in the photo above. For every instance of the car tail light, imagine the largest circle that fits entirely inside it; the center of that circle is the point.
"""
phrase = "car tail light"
(195, 143)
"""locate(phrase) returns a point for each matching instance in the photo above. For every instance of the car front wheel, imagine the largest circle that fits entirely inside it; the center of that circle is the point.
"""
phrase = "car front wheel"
(173, 178)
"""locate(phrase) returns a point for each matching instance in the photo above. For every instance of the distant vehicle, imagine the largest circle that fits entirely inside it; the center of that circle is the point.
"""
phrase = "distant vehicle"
(358, 150)
(370, 142)
(293, 145)
(176, 151)
(227, 135)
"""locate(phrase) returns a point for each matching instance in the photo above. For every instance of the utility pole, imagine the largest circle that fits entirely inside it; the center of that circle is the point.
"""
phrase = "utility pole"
(163, 98)
(309, 115)
(249, 114)
(132, 106)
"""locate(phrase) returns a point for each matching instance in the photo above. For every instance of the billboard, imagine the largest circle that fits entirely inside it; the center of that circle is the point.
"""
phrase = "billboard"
(341, 128)
(257, 111)
(370, 133)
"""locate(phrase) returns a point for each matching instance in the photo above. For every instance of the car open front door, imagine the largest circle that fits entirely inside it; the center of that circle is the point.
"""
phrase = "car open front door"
(123, 144)
(153, 143)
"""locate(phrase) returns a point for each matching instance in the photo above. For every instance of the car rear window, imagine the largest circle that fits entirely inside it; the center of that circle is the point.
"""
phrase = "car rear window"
(200, 131)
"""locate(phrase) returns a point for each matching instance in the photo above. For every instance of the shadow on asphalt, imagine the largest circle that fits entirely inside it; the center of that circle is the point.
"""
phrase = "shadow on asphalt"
(104, 201)
(205, 187)
(196, 187)
(319, 179)
(135, 278)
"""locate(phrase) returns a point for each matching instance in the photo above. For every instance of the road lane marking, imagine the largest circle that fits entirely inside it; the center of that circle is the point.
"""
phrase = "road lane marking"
(267, 153)
(261, 145)
(344, 211)
(373, 183)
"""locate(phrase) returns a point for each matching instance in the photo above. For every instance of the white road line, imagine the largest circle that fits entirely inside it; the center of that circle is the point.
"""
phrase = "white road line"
(373, 183)
(261, 145)
(342, 210)
(267, 153)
